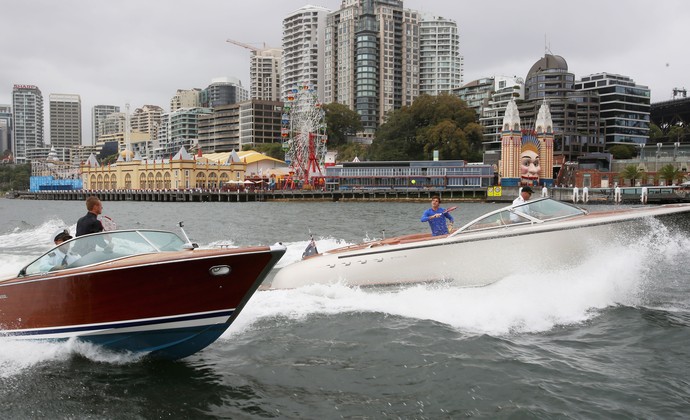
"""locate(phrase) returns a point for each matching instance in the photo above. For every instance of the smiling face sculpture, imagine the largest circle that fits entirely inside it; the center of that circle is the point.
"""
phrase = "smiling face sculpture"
(529, 159)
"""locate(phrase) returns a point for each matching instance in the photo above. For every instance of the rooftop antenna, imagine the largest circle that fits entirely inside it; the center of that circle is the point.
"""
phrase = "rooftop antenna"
(547, 46)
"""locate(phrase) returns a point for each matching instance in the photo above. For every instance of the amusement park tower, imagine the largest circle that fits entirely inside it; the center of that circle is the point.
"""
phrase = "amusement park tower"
(527, 155)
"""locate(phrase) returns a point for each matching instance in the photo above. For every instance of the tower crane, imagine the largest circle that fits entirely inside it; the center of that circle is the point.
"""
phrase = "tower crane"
(253, 49)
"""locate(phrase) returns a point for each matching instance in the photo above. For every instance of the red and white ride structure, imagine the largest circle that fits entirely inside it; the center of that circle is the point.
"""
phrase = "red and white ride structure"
(304, 133)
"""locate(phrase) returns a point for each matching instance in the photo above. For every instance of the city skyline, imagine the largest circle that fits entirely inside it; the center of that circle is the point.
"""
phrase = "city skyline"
(139, 53)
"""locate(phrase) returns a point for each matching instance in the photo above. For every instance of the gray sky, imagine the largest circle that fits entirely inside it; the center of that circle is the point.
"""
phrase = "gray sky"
(141, 51)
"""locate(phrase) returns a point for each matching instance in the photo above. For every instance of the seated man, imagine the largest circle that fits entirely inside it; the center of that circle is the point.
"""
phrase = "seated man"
(61, 256)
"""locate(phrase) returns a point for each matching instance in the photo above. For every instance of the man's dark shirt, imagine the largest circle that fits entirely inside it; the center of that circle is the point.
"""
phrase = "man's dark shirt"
(89, 224)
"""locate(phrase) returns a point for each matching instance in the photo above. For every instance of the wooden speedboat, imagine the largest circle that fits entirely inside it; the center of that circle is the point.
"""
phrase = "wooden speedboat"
(142, 291)
(539, 234)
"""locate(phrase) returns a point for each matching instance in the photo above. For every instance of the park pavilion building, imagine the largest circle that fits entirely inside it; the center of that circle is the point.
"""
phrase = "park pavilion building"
(182, 171)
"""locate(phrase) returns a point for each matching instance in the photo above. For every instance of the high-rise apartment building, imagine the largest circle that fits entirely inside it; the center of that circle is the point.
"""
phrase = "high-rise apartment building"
(5, 129)
(98, 115)
(224, 91)
(624, 107)
(265, 74)
(219, 130)
(189, 98)
(146, 119)
(372, 58)
(65, 120)
(178, 129)
(440, 62)
(492, 112)
(112, 123)
(236, 126)
(260, 122)
(27, 127)
(303, 59)
(476, 93)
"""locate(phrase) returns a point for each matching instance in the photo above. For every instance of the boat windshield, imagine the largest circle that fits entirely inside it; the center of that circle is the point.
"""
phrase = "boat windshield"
(536, 211)
(105, 246)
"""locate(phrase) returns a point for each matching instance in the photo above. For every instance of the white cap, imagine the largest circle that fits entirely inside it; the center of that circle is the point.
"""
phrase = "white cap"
(63, 231)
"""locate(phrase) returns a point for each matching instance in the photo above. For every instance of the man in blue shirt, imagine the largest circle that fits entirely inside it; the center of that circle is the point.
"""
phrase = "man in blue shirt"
(436, 216)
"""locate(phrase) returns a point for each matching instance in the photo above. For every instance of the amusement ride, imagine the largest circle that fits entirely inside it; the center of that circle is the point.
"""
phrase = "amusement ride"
(303, 133)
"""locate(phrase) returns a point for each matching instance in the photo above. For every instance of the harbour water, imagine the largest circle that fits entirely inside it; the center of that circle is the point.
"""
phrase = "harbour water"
(604, 338)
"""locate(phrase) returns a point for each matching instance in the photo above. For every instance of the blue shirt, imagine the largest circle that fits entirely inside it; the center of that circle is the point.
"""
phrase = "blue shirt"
(438, 224)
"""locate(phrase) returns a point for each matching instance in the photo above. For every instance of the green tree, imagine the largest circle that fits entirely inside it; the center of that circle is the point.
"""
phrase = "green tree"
(396, 139)
(474, 133)
(677, 133)
(15, 177)
(632, 173)
(274, 150)
(348, 152)
(109, 160)
(669, 173)
(655, 133)
(442, 123)
(341, 123)
(622, 151)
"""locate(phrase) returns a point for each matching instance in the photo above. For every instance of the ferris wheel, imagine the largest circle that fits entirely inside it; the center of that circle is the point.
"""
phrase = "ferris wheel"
(304, 132)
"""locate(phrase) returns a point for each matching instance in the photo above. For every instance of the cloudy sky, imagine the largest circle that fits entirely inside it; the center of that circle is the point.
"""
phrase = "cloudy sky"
(141, 51)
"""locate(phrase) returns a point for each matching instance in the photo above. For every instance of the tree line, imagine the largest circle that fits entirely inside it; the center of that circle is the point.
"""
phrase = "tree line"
(14, 177)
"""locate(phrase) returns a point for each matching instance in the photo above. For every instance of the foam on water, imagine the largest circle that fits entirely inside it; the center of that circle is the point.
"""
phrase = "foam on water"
(527, 302)
(18, 355)
(22, 245)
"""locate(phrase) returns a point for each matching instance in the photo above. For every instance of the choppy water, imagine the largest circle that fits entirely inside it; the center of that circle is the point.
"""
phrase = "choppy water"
(606, 338)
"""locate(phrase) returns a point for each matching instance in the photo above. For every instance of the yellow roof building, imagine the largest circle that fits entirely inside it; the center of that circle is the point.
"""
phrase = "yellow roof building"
(258, 164)
(182, 171)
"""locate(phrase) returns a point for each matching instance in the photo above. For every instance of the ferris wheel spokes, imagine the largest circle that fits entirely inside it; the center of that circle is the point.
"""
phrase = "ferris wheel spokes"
(304, 133)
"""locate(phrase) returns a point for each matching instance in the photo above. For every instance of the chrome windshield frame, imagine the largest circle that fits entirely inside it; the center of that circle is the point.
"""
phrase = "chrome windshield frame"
(41, 265)
(518, 210)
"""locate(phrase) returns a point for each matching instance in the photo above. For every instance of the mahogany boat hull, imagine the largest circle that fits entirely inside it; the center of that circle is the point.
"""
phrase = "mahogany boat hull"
(167, 305)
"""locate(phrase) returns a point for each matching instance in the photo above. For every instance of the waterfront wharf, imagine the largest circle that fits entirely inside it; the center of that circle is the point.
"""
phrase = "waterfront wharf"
(628, 195)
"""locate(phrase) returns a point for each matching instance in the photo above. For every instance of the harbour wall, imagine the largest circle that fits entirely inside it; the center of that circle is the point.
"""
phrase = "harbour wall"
(655, 195)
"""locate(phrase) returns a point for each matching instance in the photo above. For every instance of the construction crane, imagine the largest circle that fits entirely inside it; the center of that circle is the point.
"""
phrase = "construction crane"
(253, 49)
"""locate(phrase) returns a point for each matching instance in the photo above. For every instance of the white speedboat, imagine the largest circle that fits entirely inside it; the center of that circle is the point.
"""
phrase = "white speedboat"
(542, 233)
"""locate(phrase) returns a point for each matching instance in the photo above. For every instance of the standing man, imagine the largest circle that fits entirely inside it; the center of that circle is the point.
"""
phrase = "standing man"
(523, 197)
(90, 223)
(436, 216)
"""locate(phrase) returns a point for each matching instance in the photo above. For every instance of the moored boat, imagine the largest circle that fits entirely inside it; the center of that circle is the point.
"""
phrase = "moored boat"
(141, 291)
(542, 233)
